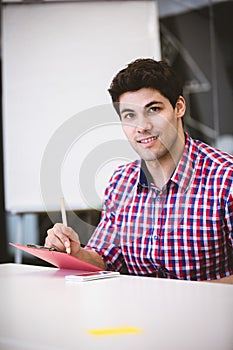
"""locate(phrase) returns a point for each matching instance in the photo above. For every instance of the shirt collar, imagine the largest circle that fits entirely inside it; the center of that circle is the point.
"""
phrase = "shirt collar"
(184, 171)
(145, 178)
(186, 168)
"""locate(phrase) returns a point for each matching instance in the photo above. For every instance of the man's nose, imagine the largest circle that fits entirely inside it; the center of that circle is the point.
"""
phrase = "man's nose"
(143, 125)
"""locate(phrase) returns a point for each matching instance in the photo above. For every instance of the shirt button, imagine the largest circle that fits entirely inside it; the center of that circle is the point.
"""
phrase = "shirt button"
(158, 199)
(155, 236)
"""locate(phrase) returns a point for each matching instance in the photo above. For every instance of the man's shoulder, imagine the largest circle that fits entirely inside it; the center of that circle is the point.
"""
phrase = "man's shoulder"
(128, 169)
(123, 181)
(214, 155)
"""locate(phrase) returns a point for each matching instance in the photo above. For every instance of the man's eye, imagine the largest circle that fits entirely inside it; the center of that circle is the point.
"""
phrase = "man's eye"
(154, 109)
(128, 116)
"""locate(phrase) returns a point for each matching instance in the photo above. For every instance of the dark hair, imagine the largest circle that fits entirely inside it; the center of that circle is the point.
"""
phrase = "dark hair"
(146, 73)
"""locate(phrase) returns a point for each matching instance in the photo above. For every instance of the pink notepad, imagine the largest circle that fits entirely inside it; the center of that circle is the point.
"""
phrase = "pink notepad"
(58, 259)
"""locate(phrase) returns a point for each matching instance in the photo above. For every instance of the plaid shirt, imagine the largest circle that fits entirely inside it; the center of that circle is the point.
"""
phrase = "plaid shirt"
(183, 231)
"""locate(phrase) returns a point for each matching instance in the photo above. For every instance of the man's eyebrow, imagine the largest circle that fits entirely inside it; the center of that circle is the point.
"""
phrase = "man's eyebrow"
(126, 110)
(153, 103)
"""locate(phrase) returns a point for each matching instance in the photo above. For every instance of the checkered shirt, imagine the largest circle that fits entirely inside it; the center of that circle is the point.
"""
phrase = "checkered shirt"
(183, 231)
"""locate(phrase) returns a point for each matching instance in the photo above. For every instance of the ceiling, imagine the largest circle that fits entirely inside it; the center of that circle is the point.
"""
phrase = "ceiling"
(165, 7)
(171, 7)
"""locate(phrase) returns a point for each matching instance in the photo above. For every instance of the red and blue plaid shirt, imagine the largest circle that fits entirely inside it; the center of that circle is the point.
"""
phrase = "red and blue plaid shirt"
(183, 231)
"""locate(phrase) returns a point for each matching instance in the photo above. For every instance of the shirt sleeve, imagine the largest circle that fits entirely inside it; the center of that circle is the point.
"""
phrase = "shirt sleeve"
(229, 215)
(105, 239)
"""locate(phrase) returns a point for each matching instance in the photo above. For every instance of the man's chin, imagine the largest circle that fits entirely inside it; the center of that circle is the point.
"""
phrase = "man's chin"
(148, 156)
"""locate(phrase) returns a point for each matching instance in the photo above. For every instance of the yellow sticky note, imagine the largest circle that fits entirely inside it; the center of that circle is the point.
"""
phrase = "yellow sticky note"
(114, 331)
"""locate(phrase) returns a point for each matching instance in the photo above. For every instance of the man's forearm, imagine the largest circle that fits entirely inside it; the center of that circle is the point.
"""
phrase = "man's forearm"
(227, 280)
(91, 257)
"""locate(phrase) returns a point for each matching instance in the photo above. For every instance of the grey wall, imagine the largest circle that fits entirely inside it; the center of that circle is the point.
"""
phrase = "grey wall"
(198, 44)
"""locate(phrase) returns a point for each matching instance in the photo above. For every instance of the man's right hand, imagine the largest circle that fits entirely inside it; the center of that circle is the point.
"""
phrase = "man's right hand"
(66, 239)
(63, 238)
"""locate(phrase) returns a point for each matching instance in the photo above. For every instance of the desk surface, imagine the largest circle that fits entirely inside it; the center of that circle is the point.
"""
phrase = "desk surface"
(40, 311)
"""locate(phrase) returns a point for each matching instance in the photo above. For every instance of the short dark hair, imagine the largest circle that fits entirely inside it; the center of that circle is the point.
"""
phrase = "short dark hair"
(146, 73)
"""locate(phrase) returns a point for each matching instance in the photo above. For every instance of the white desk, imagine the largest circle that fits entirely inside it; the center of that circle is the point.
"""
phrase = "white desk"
(40, 311)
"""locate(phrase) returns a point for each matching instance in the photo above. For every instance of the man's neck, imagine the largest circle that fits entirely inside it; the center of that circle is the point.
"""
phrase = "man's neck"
(162, 170)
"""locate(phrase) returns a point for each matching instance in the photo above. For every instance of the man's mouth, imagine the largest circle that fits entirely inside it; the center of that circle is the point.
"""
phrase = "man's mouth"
(147, 139)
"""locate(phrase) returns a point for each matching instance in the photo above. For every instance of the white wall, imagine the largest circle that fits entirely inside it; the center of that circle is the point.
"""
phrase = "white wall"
(58, 61)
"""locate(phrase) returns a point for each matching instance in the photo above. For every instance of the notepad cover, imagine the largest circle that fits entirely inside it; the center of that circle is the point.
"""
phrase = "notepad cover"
(58, 259)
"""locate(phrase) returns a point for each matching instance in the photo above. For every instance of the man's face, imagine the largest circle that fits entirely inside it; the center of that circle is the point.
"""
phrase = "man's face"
(152, 126)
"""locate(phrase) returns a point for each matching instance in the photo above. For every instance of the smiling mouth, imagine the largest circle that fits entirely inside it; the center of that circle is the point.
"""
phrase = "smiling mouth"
(147, 140)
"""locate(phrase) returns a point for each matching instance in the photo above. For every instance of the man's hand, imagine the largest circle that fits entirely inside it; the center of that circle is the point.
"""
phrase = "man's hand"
(66, 239)
(63, 238)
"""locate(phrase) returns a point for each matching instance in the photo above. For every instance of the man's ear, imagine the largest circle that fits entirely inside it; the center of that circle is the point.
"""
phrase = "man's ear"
(180, 107)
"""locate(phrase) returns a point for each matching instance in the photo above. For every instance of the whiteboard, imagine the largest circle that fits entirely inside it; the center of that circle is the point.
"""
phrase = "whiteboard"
(58, 61)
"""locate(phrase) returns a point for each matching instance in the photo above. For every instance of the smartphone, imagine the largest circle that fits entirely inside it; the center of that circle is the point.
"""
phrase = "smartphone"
(89, 276)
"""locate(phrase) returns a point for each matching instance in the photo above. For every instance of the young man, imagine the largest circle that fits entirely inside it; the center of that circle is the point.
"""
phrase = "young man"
(170, 213)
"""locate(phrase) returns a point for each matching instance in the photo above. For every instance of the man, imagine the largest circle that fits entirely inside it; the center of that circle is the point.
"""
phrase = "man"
(170, 213)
